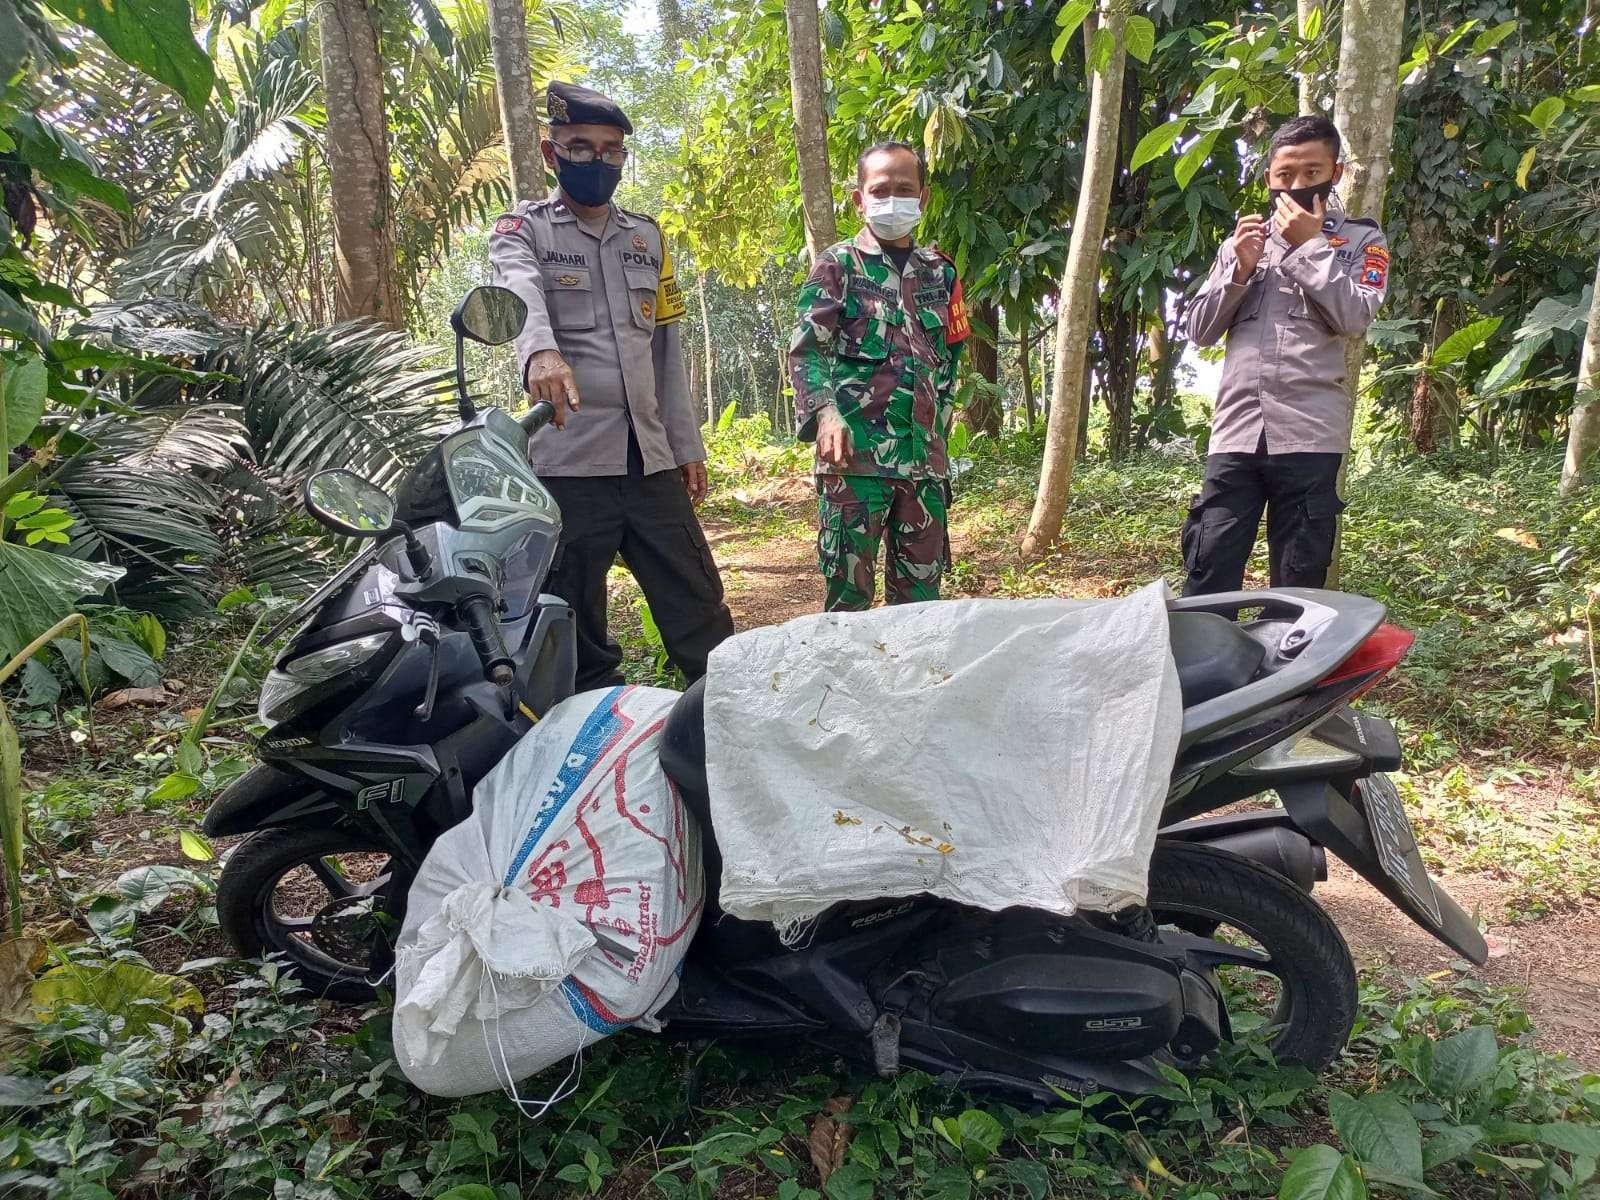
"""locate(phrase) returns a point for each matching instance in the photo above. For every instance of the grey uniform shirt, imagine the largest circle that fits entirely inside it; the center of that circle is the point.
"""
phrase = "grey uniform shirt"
(1287, 327)
(610, 304)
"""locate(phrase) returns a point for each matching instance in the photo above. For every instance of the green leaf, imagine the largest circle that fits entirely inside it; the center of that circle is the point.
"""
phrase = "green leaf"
(853, 1181)
(195, 846)
(37, 589)
(143, 998)
(1313, 27)
(24, 384)
(127, 660)
(1456, 34)
(1580, 1140)
(1463, 342)
(148, 888)
(16, 319)
(1193, 158)
(1069, 19)
(57, 156)
(1140, 37)
(833, 29)
(1158, 141)
(1101, 49)
(1379, 1130)
(1322, 1173)
(179, 785)
(1508, 371)
(1525, 166)
(19, 1091)
(1450, 1144)
(981, 1136)
(235, 599)
(152, 635)
(1490, 38)
(153, 35)
(997, 68)
(1465, 1061)
(191, 759)
(1588, 94)
(1556, 312)
(1545, 113)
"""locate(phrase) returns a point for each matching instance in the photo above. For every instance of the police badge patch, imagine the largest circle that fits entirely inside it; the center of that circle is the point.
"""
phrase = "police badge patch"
(647, 308)
(639, 243)
(508, 224)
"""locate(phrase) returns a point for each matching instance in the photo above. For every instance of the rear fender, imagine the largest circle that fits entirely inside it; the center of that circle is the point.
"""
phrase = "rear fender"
(1324, 814)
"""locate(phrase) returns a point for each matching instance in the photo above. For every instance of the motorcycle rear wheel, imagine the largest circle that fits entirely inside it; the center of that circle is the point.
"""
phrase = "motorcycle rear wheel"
(1196, 886)
(319, 897)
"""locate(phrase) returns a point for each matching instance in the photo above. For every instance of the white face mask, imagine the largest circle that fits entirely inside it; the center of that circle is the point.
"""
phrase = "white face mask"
(893, 217)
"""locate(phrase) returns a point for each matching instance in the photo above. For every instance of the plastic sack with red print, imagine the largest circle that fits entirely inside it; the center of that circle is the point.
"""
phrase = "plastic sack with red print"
(559, 911)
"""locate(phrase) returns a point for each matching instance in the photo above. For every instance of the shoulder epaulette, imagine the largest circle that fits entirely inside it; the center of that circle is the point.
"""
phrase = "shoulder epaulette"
(1362, 221)
(646, 217)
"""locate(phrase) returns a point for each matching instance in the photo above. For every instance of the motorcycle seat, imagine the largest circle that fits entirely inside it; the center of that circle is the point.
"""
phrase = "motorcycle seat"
(1214, 655)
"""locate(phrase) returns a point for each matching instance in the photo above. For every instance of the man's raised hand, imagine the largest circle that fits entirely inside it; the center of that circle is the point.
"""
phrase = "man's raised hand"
(1297, 225)
(1249, 243)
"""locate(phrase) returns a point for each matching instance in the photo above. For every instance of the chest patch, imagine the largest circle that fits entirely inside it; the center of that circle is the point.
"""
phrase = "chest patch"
(568, 280)
(929, 296)
(641, 258)
(879, 291)
(508, 224)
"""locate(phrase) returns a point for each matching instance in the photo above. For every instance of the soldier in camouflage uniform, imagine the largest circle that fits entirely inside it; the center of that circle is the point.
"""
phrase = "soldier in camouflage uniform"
(873, 363)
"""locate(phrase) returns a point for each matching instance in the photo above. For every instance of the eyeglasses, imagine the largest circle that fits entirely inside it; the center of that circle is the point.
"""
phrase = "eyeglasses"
(586, 154)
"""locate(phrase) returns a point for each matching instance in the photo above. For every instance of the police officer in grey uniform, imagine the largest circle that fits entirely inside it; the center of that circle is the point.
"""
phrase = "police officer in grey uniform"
(625, 460)
(1289, 291)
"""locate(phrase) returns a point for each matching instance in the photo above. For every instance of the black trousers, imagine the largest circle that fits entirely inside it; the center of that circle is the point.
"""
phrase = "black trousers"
(649, 521)
(1300, 495)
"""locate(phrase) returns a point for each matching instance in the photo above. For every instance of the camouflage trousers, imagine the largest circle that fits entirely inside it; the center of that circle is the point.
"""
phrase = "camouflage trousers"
(856, 514)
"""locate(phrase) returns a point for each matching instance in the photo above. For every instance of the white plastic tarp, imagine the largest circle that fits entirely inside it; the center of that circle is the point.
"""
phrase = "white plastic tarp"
(559, 911)
(992, 752)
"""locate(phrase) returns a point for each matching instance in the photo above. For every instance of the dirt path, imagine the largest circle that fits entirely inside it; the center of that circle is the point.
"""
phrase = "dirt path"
(1556, 962)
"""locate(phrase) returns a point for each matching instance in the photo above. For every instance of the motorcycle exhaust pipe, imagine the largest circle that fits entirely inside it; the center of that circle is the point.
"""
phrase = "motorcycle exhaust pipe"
(1283, 850)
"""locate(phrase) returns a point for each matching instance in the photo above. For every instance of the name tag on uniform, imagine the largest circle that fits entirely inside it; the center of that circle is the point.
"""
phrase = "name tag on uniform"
(928, 297)
(868, 287)
(637, 258)
(561, 258)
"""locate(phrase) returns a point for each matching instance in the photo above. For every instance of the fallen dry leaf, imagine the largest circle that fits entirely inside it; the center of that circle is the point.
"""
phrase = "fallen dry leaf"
(20, 960)
(1499, 946)
(1520, 536)
(829, 1138)
(126, 697)
(192, 715)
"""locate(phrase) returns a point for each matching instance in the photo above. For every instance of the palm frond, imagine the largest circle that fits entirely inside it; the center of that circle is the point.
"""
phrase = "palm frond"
(265, 129)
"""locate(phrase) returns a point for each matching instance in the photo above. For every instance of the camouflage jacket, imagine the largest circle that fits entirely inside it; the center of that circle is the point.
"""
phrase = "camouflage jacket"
(883, 348)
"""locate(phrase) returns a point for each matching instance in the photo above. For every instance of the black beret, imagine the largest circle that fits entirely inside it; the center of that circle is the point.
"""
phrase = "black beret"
(569, 104)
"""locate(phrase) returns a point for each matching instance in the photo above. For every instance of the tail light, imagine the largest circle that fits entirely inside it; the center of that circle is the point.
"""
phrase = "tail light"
(1377, 656)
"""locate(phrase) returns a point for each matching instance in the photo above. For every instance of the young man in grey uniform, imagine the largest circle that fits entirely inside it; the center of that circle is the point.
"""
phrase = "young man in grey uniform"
(1288, 290)
(602, 331)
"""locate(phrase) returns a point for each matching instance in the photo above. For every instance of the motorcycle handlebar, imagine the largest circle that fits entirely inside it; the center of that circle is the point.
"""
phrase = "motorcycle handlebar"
(477, 614)
(537, 417)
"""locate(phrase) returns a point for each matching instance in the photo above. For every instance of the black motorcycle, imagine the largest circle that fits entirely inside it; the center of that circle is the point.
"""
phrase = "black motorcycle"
(423, 661)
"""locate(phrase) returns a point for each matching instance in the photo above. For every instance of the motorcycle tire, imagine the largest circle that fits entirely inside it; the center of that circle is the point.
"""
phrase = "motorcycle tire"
(251, 922)
(1200, 885)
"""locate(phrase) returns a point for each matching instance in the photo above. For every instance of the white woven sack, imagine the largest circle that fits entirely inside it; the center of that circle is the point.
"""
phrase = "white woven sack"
(992, 752)
(559, 911)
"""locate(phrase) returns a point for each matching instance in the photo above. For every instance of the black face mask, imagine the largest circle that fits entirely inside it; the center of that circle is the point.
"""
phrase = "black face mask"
(1305, 197)
(590, 183)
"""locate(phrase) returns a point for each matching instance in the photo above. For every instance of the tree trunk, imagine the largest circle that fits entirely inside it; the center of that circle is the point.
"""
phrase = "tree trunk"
(1434, 420)
(358, 164)
(984, 415)
(1369, 63)
(1583, 434)
(1025, 362)
(810, 124)
(711, 350)
(1075, 321)
(519, 115)
(1308, 97)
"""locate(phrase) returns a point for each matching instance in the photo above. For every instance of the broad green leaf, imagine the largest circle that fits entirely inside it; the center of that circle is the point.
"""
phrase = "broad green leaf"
(1463, 1062)
(1556, 312)
(1322, 1173)
(37, 589)
(191, 758)
(1447, 1145)
(1157, 142)
(469, 1191)
(726, 417)
(1140, 37)
(833, 30)
(853, 1181)
(179, 785)
(1069, 19)
(1464, 341)
(14, 318)
(152, 635)
(981, 1136)
(153, 35)
(1490, 38)
(1313, 27)
(57, 156)
(997, 68)
(1193, 159)
(1588, 94)
(127, 660)
(19, 1091)
(148, 888)
(1508, 371)
(1545, 113)
(1456, 34)
(1101, 49)
(1379, 1130)
(24, 390)
(1580, 1140)
(1525, 166)
(141, 997)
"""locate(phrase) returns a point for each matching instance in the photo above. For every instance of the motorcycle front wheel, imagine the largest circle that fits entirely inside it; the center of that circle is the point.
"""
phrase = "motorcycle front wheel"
(321, 898)
(1304, 987)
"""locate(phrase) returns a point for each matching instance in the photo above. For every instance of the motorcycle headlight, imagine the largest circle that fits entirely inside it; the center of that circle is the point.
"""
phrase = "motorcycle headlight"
(286, 692)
